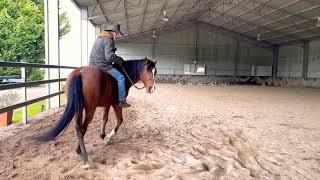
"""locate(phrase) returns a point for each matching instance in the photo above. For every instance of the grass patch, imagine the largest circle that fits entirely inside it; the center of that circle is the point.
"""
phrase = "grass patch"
(33, 109)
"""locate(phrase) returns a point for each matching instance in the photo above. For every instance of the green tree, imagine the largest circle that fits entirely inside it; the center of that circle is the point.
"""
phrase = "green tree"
(21, 33)
(64, 25)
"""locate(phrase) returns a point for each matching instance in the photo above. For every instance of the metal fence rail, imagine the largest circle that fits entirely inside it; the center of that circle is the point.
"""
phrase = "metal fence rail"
(9, 77)
(31, 65)
(26, 84)
(19, 105)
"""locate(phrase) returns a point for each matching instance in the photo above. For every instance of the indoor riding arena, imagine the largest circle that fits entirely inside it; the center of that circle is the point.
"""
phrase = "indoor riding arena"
(237, 93)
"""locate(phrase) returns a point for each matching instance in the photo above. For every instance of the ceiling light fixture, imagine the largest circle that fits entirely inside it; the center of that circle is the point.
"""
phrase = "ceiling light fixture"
(154, 34)
(165, 17)
(94, 17)
(318, 21)
(258, 37)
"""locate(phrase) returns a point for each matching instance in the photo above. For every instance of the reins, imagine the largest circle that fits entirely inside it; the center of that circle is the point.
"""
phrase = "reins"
(139, 88)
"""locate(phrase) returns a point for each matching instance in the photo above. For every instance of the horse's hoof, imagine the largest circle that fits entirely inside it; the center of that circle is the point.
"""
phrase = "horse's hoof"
(88, 165)
(78, 150)
(108, 141)
(102, 136)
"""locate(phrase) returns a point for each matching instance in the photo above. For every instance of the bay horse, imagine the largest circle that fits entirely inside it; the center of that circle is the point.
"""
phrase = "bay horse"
(88, 88)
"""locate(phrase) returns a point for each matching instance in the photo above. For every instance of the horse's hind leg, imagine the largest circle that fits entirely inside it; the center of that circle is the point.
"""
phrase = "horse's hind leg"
(104, 122)
(118, 112)
(79, 117)
(81, 129)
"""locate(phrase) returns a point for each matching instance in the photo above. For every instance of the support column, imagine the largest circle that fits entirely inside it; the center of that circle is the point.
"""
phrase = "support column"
(275, 62)
(196, 42)
(84, 36)
(153, 48)
(306, 48)
(51, 8)
(236, 58)
(24, 95)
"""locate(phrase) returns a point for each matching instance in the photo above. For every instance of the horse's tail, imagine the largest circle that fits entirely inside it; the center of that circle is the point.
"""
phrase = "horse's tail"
(75, 104)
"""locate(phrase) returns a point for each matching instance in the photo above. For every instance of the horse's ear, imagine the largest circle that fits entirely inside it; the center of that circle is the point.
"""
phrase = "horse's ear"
(145, 60)
(155, 61)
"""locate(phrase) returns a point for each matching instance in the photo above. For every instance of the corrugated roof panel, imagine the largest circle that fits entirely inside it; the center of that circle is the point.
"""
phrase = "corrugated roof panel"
(312, 13)
(281, 3)
(173, 3)
(274, 18)
(135, 12)
(298, 6)
(116, 16)
(150, 16)
(135, 21)
(153, 7)
(112, 6)
(249, 16)
(154, 1)
(235, 12)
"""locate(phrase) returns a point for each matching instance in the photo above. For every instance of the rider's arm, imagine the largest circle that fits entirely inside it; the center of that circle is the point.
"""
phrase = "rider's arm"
(110, 52)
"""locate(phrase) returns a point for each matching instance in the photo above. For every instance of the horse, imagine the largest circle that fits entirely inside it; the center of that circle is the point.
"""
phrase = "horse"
(88, 88)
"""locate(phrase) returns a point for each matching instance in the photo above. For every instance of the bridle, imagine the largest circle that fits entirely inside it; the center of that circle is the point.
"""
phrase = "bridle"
(139, 88)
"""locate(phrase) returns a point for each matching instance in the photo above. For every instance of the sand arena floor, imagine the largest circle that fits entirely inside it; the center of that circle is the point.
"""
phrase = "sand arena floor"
(182, 132)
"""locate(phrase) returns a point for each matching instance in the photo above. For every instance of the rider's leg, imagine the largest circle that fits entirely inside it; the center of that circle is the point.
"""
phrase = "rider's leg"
(121, 87)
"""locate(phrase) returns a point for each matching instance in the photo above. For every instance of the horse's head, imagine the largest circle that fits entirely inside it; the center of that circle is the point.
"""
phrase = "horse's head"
(148, 74)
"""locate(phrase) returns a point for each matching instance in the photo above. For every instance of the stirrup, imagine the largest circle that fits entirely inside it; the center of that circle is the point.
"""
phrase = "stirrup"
(123, 104)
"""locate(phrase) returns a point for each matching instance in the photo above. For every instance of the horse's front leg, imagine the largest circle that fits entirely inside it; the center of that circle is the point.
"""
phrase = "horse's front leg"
(104, 121)
(118, 112)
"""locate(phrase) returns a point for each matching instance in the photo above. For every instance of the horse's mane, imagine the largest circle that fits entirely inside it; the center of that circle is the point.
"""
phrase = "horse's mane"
(133, 68)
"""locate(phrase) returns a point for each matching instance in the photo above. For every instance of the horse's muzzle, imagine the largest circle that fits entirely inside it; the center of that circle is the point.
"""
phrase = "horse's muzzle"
(151, 90)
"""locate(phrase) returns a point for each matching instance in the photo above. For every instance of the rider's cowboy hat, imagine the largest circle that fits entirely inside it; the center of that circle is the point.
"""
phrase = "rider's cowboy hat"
(114, 27)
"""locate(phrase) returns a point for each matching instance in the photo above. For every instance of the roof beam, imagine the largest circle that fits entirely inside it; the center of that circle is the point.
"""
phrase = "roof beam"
(315, 2)
(131, 8)
(236, 35)
(92, 4)
(282, 10)
(101, 10)
(144, 14)
(298, 40)
(286, 17)
(215, 7)
(116, 6)
(134, 5)
(246, 12)
(150, 31)
(259, 17)
(197, 12)
(280, 19)
(225, 11)
(159, 13)
(293, 32)
(239, 21)
(253, 9)
(126, 15)
(90, 15)
(180, 17)
(175, 10)
(283, 27)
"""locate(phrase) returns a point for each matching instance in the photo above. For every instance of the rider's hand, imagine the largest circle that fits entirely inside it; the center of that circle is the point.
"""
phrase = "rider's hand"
(119, 61)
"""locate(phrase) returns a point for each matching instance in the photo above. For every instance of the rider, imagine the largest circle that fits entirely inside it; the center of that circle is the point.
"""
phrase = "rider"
(103, 56)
